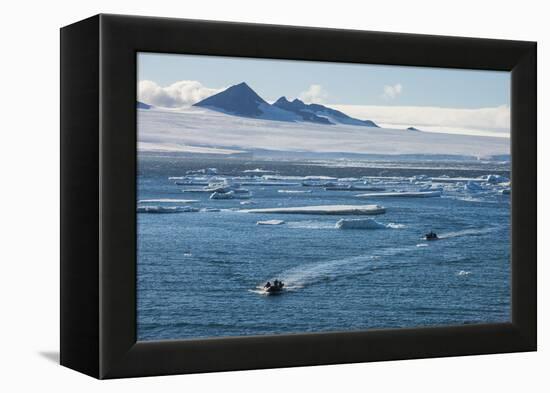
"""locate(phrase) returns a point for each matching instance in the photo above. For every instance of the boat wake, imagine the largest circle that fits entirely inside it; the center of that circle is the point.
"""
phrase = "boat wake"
(301, 276)
(467, 232)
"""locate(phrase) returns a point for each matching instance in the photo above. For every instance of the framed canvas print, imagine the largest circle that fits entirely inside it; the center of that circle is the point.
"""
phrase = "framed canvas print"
(239, 196)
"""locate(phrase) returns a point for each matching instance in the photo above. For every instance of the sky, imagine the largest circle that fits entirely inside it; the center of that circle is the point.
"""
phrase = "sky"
(436, 99)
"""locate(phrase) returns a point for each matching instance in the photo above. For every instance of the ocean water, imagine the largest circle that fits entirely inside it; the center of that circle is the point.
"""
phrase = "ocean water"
(199, 273)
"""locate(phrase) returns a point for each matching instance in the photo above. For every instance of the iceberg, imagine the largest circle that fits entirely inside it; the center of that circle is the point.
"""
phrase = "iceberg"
(402, 194)
(359, 223)
(294, 191)
(324, 209)
(270, 222)
(166, 209)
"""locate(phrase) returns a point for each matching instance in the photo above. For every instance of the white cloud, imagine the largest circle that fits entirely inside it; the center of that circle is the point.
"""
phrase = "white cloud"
(391, 92)
(484, 120)
(315, 94)
(178, 94)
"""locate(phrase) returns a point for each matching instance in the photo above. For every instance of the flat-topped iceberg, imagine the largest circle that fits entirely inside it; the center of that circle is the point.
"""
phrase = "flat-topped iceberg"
(405, 194)
(359, 223)
(166, 209)
(270, 222)
(324, 209)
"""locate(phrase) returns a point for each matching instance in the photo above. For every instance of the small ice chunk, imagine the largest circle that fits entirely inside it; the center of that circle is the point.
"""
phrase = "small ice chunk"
(222, 195)
(258, 171)
(270, 222)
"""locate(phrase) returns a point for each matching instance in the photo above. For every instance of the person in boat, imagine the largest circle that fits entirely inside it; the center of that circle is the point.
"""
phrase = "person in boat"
(431, 236)
(267, 285)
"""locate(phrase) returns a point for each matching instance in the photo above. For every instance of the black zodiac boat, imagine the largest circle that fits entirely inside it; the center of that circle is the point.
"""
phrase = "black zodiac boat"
(275, 288)
(431, 236)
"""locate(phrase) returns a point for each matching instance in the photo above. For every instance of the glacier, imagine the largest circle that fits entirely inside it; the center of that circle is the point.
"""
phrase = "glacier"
(198, 130)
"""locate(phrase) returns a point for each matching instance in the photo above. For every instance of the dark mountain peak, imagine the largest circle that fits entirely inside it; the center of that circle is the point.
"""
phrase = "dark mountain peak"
(412, 129)
(238, 99)
(241, 100)
(142, 105)
(243, 86)
(281, 101)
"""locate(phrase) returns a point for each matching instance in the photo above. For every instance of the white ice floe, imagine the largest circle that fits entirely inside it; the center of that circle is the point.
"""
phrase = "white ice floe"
(166, 209)
(257, 171)
(294, 191)
(324, 209)
(352, 187)
(269, 184)
(359, 223)
(223, 195)
(270, 222)
(204, 171)
(167, 200)
(444, 179)
(410, 194)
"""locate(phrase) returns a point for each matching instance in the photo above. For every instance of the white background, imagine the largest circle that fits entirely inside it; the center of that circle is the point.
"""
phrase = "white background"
(29, 181)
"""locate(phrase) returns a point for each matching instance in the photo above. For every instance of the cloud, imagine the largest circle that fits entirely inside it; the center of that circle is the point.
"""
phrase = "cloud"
(456, 120)
(315, 94)
(178, 94)
(391, 92)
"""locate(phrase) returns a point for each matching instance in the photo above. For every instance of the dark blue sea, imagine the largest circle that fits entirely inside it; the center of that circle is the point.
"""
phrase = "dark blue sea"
(200, 272)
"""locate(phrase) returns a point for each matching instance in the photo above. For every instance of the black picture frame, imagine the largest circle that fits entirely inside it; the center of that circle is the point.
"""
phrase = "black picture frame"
(98, 194)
